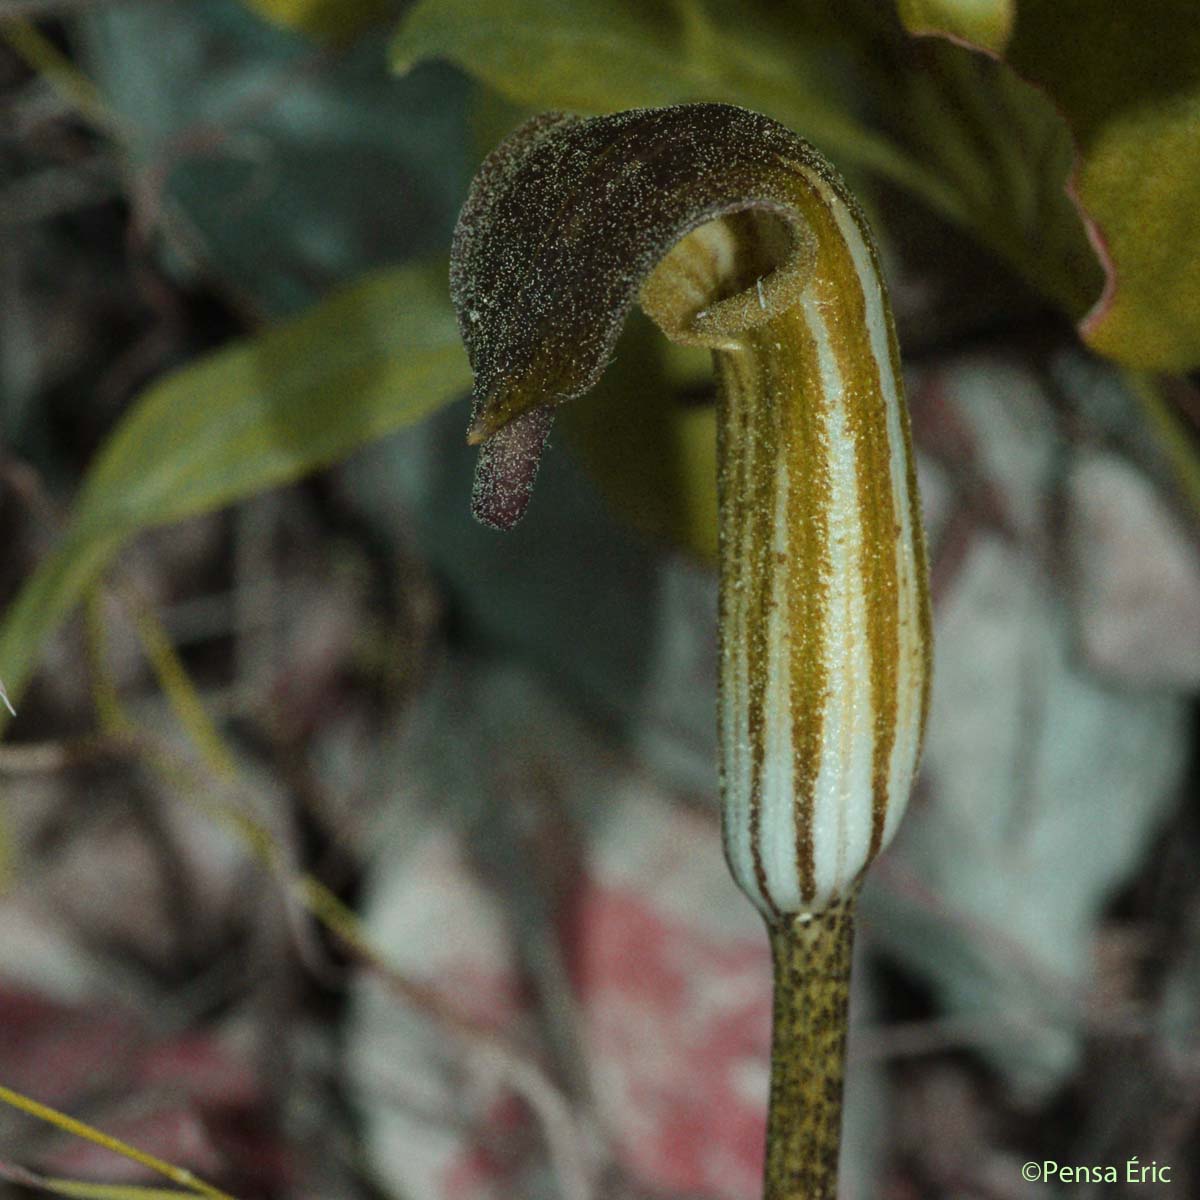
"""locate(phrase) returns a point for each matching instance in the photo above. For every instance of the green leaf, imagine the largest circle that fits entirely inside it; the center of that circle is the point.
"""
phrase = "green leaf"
(589, 56)
(986, 24)
(1126, 76)
(603, 56)
(374, 357)
(322, 20)
(1004, 149)
(647, 434)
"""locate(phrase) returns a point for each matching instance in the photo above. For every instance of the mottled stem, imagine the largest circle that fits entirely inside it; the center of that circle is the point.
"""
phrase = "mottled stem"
(808, 1052)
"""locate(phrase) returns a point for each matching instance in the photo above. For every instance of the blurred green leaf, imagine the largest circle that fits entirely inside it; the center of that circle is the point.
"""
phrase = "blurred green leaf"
(323, 20)
(602, 56)
(374, 357)
(983, 23)
(594, 56)
(1004, 149)
(1126, 76)
(647, 433)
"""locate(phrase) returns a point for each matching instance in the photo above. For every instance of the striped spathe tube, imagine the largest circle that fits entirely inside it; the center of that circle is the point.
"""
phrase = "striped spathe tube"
(733, 233)
(824, 662)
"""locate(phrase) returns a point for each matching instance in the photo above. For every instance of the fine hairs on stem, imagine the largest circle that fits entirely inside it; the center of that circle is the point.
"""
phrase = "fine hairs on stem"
(733, 233)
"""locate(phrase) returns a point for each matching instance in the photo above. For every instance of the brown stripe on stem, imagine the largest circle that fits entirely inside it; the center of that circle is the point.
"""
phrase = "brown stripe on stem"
(810, 498)
(840, 287)
(773, 417)
(747, 448)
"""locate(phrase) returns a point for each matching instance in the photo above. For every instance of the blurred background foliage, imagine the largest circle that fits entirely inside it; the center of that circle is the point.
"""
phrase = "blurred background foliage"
(224, 235)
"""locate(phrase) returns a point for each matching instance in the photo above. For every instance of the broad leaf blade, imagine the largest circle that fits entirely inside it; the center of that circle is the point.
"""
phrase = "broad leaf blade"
(1003, 148)
(374, 357)
(986, 24)
(334, 21)
(1126, 77)
(588, 56)
(600, 56)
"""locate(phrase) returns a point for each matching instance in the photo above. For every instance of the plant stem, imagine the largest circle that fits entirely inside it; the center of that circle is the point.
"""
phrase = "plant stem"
(177, 1175)
(808, 1052)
